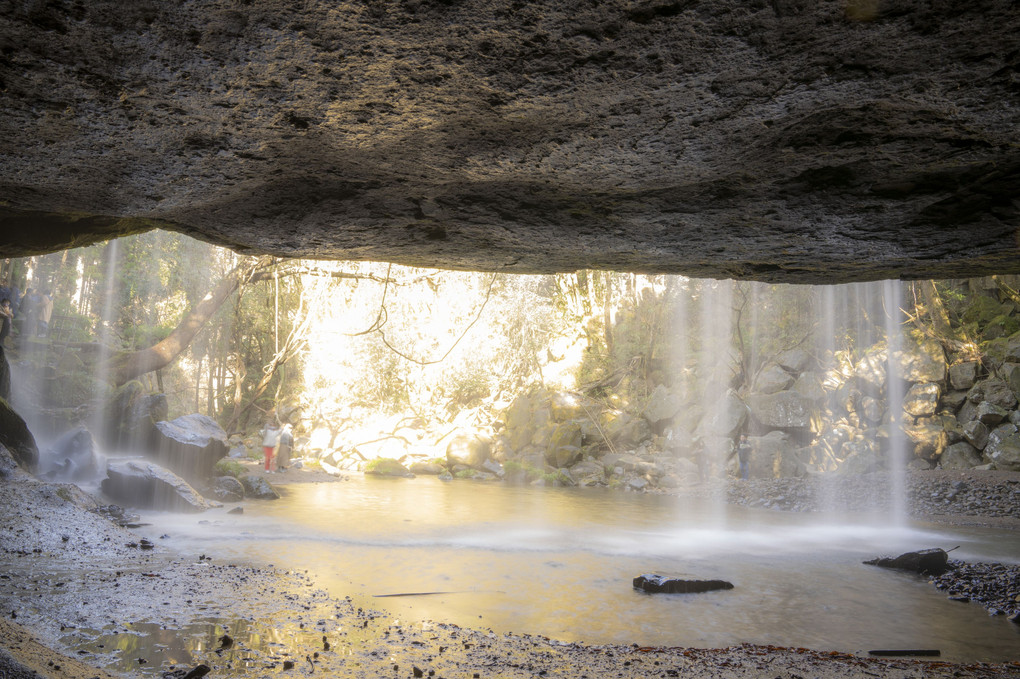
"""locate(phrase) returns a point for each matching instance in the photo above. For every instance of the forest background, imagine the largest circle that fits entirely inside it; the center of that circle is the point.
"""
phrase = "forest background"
(353, 348)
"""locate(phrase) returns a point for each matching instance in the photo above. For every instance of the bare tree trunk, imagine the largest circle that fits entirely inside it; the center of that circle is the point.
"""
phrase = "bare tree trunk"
(936, 309)
(127, 367)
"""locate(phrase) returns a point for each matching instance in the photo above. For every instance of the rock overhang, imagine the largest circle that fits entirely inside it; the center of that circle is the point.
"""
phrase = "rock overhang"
(788, 141)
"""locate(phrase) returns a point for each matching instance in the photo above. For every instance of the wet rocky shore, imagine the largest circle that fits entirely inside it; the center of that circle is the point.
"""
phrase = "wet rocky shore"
(79, 583)
(969, 496)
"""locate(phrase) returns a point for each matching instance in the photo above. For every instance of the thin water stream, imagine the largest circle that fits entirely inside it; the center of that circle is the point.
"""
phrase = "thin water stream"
(559, 563)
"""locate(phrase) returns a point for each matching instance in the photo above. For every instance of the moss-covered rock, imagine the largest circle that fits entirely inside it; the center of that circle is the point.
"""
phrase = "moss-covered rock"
(386, 466)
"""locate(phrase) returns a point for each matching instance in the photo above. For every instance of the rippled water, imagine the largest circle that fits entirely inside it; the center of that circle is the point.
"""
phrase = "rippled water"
(559, 563)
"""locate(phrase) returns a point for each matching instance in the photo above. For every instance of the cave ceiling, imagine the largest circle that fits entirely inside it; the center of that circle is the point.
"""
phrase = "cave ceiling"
(781, 140)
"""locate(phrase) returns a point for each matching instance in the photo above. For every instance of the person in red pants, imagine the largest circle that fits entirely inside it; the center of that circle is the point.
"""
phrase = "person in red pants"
(270, 440)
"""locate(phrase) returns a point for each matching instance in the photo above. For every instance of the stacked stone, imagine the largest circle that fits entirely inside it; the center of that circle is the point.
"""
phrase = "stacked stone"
(984, 432)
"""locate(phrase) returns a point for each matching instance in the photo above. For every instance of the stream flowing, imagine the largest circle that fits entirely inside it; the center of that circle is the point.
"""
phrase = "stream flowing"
(559, 562)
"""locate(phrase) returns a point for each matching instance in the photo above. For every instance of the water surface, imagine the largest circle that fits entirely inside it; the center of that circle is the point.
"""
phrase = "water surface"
(559, 563)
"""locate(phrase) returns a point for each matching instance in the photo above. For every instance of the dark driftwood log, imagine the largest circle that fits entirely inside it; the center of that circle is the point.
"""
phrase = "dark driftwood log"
(660, 584)
(926, 562)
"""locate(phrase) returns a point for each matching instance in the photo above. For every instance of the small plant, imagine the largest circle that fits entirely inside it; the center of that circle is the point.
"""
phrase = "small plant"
(558, 477)
(227, 467)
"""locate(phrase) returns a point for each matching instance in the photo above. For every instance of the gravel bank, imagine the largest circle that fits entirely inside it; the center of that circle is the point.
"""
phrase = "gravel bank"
(936, 495)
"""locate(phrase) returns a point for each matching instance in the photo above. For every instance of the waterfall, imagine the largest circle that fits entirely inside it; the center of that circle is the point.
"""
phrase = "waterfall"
(813, 375)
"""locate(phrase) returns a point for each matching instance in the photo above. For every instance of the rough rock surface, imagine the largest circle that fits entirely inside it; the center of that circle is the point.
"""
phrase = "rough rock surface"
(258, 488)
(138, 483)
(191, 445)
(661, 584)
(788, 140)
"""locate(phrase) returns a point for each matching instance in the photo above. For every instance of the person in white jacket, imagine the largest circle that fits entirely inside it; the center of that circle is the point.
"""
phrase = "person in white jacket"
(270, 440)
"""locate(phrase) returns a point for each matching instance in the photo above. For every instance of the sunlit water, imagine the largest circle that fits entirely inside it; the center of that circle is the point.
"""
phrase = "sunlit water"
(559, 563)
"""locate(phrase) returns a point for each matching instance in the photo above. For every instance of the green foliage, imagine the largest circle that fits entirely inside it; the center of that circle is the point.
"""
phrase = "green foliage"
(228, 467)
(556, 478)
(530, 473)
(384, 466)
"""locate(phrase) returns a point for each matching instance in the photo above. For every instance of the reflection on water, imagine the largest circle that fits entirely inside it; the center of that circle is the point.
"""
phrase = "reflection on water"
(559, 563)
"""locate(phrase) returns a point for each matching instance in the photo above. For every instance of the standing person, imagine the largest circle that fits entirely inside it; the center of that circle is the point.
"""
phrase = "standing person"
(45, 312)
(15, 297)
(270, 440)
(29, 314)
(744, 456)
(6, 318)
(286, 445)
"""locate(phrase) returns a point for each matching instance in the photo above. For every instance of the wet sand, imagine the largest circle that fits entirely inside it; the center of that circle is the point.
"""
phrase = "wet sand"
(72, 584)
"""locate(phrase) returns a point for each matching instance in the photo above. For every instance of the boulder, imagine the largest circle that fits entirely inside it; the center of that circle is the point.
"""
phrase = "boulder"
(773, 456)
(963, 375)
(518, 422)
(629, 463)
(468, 449)
(129, 418)
(637, 483)
(994, 391)
(5, 376)
(922, 399)
(990, 414)
(976, 433)
(146, 485)
(624, 430)
(794, 360)
(772, 379)
(811, 386)
(588, 473)
(925, 562)
(726, 418)
(871, 409)
(8, 467)
(564, 446)
(953, 400)
(1011, 376)
(1004, 452)
(872, 368)
(17, 439)
(926, 439)
(1011, 353)
(1000, 433)
(662, 406)
(72, 457)
(565, 406)
(967, 412)
(782, 410)
(227, 489)
(387, 466)
(954, 432)
(258, 487)
(960, 456)
(660, 584)
(427, 468)
(191, 445)
(494, 468)
(920, 360)
(859, 457)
